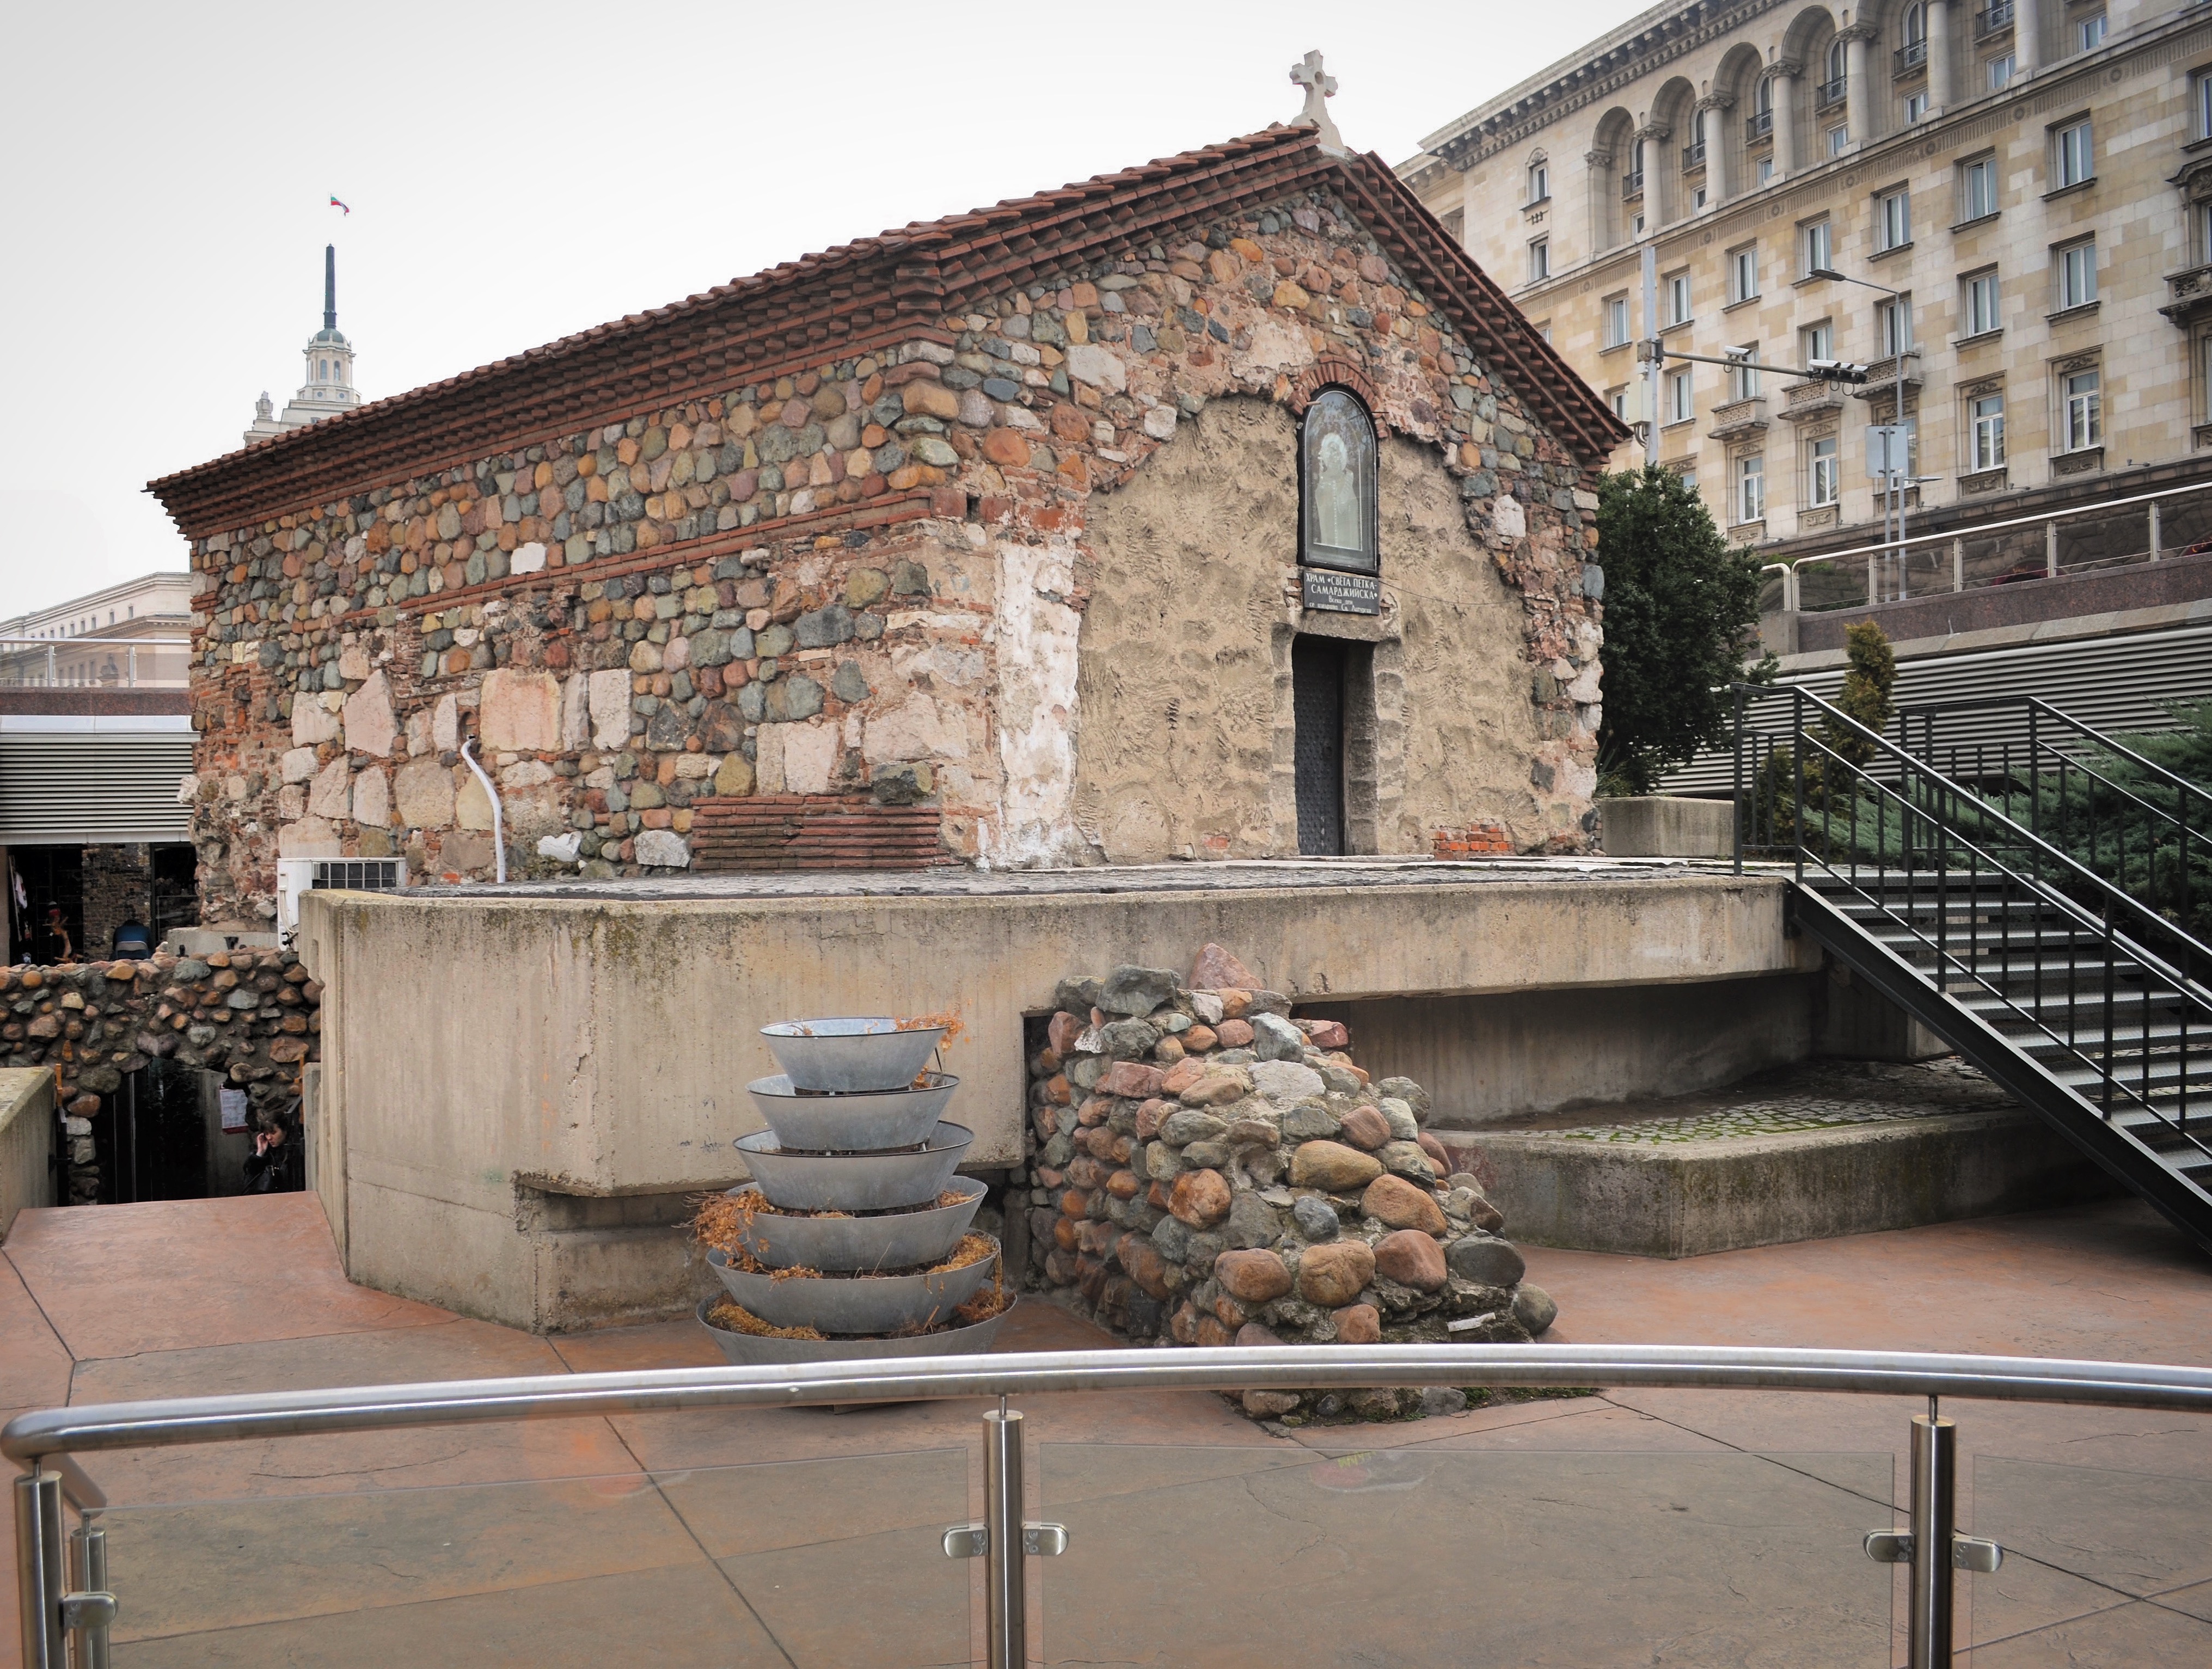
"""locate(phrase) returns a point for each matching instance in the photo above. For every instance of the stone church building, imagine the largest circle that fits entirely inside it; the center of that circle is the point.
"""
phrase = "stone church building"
(1219, 508)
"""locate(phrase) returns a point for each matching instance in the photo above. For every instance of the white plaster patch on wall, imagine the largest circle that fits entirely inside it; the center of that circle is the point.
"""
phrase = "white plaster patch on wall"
(1276, 346)
(1034, 635)
(1507, 518)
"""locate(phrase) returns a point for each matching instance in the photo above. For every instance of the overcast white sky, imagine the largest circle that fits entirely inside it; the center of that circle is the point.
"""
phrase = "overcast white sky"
(517, 173)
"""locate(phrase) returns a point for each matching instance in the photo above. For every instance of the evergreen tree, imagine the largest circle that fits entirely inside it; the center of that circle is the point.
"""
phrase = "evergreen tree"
(1681, 611)
(1869, 675)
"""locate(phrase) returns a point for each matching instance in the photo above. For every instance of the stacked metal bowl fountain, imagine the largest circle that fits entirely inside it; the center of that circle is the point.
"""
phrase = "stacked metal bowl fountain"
(854, 1130)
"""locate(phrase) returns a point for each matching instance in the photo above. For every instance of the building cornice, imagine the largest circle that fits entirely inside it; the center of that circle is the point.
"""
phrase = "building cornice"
(2055, 87)
(1642, 45)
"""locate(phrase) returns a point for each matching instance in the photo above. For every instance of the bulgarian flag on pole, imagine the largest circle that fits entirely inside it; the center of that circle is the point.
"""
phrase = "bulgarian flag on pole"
(335, 204)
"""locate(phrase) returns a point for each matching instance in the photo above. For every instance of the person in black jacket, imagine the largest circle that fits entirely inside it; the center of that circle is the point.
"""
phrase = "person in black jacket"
(274, 1165)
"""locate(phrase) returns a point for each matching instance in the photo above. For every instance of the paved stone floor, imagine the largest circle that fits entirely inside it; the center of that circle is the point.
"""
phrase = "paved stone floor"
(1666, 1527)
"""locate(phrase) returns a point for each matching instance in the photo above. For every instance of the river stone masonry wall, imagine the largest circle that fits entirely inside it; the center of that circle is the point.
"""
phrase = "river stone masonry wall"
(255, 1017)
(859, 580)
(1204, 1169)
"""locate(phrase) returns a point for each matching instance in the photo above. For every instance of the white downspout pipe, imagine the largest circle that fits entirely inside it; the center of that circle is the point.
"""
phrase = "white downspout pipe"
(498, 823)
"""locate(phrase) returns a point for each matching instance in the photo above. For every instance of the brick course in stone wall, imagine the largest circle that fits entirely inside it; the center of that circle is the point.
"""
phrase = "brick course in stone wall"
(801, 585)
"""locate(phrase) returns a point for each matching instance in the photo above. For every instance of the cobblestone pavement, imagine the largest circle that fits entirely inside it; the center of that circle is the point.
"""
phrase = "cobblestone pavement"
(1813, 1095)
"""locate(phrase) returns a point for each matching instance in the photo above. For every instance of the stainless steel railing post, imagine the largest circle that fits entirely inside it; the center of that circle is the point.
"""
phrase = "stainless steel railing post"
(38, 1578)
(1004, 1600)
(88, 1546)
(1934, 1499)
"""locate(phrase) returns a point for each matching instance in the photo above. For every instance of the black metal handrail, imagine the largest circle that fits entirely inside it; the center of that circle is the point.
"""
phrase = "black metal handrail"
(1991, 18)
(1693, 156)
(1758, 124)
(1911, 56)
(1632, 183)
(1832, 92)
(2053, 771)
(1941, 850)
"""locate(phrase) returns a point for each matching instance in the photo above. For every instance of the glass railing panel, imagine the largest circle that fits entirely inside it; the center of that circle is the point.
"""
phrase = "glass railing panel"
(1422, 1554)
(830, 1563)
(2101, 1566)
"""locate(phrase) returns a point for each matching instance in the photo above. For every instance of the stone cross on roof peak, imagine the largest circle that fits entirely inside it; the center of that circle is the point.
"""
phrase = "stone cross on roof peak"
(1320, 87)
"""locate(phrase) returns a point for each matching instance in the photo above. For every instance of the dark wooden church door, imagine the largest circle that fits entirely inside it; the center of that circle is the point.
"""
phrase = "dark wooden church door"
(1317, 667)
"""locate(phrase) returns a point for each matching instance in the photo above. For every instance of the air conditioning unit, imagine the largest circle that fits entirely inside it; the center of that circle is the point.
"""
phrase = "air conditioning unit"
(297, 875)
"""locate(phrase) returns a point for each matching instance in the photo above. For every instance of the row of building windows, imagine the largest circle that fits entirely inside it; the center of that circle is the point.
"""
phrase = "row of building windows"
(2073, 284)
(2078, 415)
(2072, 160)
(89, 623)
(2072, 163)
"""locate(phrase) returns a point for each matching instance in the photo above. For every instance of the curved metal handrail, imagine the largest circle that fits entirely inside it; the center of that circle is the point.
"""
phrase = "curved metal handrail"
(100, 1426)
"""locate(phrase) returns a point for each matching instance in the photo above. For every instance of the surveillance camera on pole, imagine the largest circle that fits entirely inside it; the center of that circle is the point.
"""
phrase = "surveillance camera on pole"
(1836, 371)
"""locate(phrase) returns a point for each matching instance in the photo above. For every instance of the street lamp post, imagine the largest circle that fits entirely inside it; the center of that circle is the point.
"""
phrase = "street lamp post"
(1890, 476)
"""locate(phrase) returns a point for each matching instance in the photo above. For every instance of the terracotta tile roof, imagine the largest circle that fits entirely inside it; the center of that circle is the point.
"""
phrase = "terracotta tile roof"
(861, 296)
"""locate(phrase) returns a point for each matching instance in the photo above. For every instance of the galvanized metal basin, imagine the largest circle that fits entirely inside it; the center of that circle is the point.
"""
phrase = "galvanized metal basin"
(854, 1181)
(844, 1244)
(854, 1303)
(850, 1054)
(863, 1121)
(744, 1351)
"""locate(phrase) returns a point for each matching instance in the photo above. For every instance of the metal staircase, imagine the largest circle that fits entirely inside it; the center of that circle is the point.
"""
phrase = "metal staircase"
(2087, 1003)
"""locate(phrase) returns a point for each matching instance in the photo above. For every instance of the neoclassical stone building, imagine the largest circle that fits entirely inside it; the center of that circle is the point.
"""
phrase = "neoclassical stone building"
(2032, 178)
(1221, 507)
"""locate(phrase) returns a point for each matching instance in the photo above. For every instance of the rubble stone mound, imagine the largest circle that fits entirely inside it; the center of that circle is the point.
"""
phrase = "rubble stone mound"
(1210, 1169)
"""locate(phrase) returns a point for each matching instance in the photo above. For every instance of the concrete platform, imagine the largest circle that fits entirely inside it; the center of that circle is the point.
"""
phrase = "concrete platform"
(1829, 1148)
(1648, 1527)
(522, 1087)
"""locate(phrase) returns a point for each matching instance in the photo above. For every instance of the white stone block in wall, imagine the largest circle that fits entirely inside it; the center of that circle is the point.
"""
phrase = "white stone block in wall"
(575, 712)
(1088, 362)
(370, 727)
(332, 794)
(424, 794)
(371, 799)
(313, 722)
(810, 753)
(520, 712)
(609, 708)
(662, 849)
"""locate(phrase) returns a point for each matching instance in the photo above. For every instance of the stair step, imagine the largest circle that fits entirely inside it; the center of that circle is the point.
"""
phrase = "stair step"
(2163, 1075)
(2162, 1038)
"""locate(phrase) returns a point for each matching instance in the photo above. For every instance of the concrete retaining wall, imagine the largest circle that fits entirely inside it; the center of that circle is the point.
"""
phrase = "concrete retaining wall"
(1676, 1200)
(1484, 1059)
(27, 1140)
(519, 1091)
(1666, 826)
